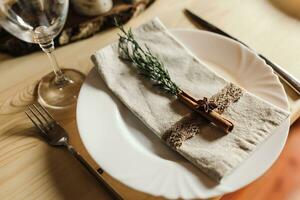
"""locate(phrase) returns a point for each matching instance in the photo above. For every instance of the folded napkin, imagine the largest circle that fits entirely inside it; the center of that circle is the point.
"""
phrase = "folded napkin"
(215, 153)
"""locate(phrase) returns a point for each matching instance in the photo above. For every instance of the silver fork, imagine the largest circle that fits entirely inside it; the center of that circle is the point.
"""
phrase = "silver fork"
(55, 135)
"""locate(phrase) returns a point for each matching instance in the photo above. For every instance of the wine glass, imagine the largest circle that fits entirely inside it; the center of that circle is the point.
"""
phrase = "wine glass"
(39, 21)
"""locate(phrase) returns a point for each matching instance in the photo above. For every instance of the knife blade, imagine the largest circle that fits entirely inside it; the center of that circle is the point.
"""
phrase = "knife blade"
(282, 73)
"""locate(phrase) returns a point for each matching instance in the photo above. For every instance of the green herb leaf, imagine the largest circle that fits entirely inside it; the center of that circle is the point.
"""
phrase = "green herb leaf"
(145, 62)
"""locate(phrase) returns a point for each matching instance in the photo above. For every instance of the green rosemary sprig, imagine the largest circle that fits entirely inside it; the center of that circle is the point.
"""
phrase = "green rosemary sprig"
(153, 69)
(145, 62)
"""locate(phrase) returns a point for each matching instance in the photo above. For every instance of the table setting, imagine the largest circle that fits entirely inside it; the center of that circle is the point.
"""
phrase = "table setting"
(146, 108)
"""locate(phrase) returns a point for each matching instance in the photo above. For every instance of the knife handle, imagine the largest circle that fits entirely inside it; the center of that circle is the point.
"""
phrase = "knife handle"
(94, 173)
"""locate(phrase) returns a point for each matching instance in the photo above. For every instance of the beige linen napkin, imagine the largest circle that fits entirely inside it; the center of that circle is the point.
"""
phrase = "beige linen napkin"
(214, 152)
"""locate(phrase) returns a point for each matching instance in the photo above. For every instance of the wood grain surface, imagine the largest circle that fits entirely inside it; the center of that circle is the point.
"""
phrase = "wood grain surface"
(30, 169)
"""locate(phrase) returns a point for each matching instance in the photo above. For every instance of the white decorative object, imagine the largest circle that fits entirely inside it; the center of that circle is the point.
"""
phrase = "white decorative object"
(92, 7)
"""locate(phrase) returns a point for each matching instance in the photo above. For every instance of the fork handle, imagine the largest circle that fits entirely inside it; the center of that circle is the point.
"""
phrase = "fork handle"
(98, 177)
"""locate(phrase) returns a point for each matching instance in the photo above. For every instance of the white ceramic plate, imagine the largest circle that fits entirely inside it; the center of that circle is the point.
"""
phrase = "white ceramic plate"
(129, 152)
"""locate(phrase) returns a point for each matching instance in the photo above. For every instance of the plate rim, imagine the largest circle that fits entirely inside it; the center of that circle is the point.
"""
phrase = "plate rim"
(214, 35)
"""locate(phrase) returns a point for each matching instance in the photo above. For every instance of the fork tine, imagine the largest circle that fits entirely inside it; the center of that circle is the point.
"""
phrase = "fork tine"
(46, 111)
(43, 115)
(42, 126)
(34, 122)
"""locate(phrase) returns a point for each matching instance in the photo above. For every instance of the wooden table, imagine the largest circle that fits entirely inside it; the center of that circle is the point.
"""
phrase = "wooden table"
(30, 169)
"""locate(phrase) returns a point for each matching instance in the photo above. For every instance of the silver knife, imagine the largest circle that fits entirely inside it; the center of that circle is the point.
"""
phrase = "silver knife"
(282, 73)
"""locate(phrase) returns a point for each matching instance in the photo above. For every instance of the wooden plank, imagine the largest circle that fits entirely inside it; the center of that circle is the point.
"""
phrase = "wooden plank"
(31, 169)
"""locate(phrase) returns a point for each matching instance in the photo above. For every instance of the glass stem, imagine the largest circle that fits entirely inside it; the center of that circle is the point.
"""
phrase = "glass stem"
(60, 79)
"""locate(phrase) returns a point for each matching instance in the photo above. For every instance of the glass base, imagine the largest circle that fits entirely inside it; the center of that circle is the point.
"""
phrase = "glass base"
(63, 95)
